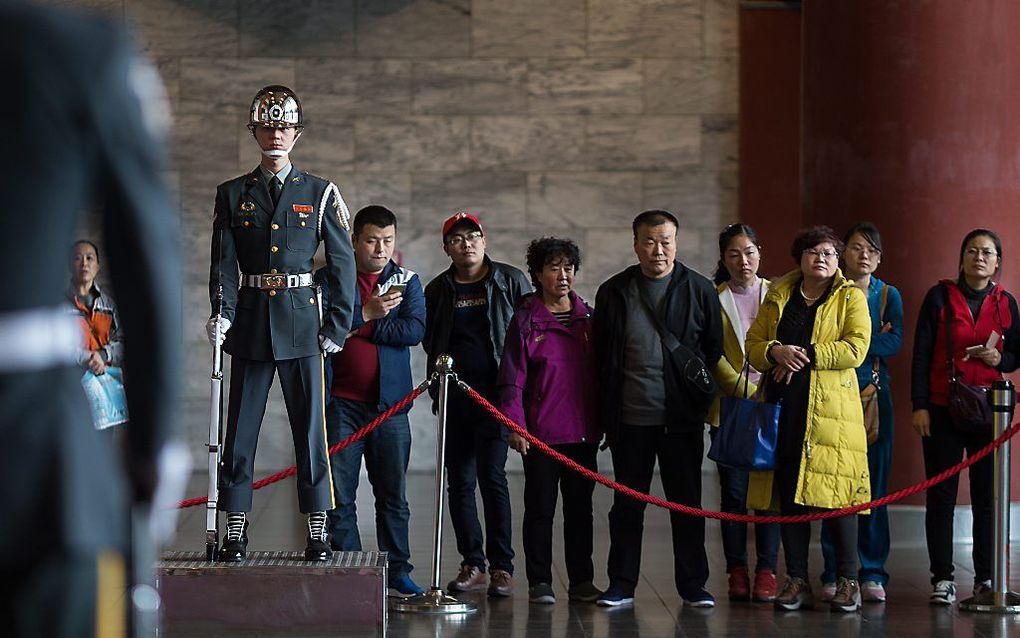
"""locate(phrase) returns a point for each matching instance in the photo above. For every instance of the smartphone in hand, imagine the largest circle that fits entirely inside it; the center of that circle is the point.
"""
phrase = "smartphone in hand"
(396, 288)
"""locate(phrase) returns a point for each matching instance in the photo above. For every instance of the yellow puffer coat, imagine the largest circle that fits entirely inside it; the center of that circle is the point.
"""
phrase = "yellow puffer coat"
(727, 371)
(834, 459)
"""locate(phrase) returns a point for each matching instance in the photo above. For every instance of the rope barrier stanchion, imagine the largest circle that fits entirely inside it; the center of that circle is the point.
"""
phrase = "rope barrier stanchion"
(436, 601)
(999, 599)
(728, 516)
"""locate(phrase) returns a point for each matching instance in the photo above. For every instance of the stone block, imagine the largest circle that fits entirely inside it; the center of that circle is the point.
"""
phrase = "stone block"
(327, 148)
(205, 142)
(581, 200)
(527, 143)
(464, 87)
(607, 251)
(691, 86)
(297, 28)
(719, 143)
(226, 86)
(392, 190)
(722, 28)
(643, 142)
(424, 143)
(647, 28)
(402, 29)
(185, 27)
(338, 86)
(700, 199)
(532, 28)
(497, 197)
(585, 86)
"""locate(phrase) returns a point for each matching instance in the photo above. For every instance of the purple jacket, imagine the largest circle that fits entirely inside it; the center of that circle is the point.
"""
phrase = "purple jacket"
(547, 375)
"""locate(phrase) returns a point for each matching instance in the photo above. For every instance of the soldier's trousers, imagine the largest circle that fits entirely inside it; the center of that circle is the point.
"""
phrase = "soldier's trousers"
(302, 383)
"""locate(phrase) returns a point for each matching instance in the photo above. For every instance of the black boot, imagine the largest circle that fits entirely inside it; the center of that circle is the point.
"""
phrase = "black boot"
(317, 548)
(235, 544)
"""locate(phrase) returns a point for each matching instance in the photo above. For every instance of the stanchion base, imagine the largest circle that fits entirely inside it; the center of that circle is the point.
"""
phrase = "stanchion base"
(993, 602)
(432, 602)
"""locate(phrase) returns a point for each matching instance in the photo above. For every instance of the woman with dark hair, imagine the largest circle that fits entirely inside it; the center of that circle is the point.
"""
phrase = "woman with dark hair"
(811, 333)
(860, 260)
(547, 385)
(978, 316)
(102, 343)
(741, 291)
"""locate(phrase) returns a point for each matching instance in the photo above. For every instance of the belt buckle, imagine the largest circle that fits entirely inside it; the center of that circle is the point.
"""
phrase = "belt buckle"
(273, 282)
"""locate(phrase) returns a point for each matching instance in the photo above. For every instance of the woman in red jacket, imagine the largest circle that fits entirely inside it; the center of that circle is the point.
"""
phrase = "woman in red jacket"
(974, 307)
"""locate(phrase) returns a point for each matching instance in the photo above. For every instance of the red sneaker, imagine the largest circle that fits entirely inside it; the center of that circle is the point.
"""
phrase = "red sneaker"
(740, 584)
(764, 587)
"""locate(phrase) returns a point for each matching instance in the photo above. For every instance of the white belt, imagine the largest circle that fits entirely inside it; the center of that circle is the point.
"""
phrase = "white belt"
(275, 282)
(38, 338)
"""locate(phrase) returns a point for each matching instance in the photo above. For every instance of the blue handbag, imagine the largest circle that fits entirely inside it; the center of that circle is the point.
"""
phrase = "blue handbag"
(748, 431)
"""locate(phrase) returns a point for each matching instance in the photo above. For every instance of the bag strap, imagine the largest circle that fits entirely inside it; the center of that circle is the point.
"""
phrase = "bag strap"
(881, 322)
(668, 338)
(745, 373)
(948, 311)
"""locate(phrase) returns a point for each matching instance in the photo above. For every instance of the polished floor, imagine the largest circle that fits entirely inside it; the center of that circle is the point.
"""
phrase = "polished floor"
(276, 525)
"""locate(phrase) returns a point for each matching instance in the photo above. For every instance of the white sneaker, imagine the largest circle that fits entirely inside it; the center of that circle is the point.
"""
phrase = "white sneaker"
(944, 593)
(827, 592)
(872, 591)
(982, 586)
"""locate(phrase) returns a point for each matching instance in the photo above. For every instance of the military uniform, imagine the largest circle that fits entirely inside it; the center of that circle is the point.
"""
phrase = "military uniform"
(75, 133)
(277, 329)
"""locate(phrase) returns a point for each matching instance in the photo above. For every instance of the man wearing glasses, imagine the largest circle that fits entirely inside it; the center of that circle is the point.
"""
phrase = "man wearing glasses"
(468, 308)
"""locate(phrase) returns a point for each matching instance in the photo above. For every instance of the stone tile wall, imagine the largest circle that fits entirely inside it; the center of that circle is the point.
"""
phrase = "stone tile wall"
(563, 117)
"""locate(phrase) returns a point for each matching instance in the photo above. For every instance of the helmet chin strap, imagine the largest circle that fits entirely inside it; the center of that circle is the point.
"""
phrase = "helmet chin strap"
(279, 153)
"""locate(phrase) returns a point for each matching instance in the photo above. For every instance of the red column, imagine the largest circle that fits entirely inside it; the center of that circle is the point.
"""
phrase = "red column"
(911, 119)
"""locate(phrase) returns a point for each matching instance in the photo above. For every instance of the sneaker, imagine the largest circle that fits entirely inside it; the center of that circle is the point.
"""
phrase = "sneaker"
(982, 586)
(615, 597)
(944, 593)
(872, 591)
(469, 578)
(501, 583)
(541, 594)
(739, 584)
(764, 587)
(828, 591)
(848, 595)
(584, 593)
(698, 598)
(404, 587)
(796, 594)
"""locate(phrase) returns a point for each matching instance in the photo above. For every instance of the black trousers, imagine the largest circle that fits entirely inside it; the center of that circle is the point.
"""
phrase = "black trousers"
(942, 450)
(302, 383)
(797, 536)
(679, 456)
(542, 476)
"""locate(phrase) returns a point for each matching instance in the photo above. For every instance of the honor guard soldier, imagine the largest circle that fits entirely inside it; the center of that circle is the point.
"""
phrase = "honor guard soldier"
(78, 129)
(268, 225)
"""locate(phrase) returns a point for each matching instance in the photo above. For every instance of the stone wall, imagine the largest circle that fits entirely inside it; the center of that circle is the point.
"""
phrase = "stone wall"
(564, 117)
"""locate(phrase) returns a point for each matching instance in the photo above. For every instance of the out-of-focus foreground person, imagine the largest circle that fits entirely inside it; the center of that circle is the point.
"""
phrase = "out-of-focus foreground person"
(83, 107)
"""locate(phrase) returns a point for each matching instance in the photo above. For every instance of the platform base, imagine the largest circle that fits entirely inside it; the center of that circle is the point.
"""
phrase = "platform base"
(993, 602)
(433, 601)
(273, 590)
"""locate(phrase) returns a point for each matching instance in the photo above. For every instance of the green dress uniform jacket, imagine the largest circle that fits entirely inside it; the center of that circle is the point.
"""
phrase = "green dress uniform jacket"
(251, 234)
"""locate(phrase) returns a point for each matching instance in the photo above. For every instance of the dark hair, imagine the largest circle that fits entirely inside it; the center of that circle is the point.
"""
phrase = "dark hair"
(654, 217)
(728, 233)
(808, 238)
(982, 232)
(88, 243)
(378, 216)
(546, 250)
(868, 231)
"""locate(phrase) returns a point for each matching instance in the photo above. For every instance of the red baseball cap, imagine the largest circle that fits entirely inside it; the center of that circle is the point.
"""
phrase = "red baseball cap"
(461, 216)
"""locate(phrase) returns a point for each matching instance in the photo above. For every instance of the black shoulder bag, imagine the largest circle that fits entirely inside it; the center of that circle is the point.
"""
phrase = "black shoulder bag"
(969, 407)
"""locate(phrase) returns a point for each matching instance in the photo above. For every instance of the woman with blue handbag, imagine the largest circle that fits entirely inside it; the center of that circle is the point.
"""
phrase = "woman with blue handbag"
(741, 291)
(812, 332)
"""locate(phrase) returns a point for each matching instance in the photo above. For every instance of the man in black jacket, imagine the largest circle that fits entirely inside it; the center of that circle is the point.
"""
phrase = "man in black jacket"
(468, 308)
(657, 331)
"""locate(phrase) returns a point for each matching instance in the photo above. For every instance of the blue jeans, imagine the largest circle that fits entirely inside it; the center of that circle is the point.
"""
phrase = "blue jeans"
(872, 529)
(386, 451)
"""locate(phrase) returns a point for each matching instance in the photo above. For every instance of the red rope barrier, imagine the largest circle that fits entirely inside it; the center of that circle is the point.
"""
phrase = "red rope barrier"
(354, 438)
(728, 516)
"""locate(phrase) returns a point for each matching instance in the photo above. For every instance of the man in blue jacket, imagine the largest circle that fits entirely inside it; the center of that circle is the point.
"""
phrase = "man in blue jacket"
(368, 376)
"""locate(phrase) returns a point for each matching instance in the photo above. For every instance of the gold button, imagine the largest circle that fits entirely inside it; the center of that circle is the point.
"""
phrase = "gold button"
(276, 227)
(274, 249)
(247, 223)
(273, 271)
(302, 224)
(272, 293)
(311, 300)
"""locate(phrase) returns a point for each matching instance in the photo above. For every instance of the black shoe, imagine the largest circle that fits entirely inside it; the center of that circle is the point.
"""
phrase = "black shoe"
(318, 549)
(234, 551)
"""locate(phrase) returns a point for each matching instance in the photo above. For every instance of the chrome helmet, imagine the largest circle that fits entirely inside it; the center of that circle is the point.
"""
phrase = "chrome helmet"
(275, 106)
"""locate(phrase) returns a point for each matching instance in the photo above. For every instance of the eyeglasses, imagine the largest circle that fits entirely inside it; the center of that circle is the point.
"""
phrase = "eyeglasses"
(459, 240)
(864, 250)
(987, 253)
(823, 254)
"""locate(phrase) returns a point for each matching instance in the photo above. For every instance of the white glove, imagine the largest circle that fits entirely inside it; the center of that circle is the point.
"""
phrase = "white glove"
(210, 329)
(328, 345)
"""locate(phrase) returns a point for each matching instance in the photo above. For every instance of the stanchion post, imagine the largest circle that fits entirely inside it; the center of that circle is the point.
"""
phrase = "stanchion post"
(999, 599)
(435, 601)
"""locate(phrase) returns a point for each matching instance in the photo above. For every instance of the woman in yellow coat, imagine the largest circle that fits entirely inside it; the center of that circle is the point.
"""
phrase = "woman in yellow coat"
(811, 333)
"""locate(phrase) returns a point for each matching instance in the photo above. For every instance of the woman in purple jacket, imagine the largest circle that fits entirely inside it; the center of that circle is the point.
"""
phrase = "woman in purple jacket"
(546, 384)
